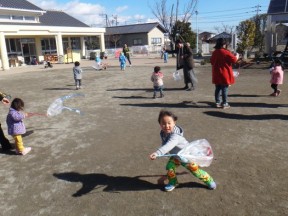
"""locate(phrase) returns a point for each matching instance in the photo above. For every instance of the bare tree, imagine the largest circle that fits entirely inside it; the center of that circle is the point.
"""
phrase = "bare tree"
(225, 28)
(114, 38)
(167, 18)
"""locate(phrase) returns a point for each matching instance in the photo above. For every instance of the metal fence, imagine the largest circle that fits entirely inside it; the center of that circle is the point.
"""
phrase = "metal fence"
(136, 50)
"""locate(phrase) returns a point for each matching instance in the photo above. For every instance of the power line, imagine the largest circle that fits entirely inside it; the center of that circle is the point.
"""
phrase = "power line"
(227, 10)
(227, 15)
(236, 9)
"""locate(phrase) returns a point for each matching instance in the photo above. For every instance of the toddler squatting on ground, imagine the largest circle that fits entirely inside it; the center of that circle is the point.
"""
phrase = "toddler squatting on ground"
(173, 141)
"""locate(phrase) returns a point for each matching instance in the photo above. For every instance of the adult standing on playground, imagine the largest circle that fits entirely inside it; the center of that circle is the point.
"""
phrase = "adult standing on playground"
(188, 65)
(3, 140)
(126, 52)
(222, 73)
(185, 61)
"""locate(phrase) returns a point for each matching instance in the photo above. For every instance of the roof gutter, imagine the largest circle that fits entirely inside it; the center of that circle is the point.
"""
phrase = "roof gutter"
(22, 10)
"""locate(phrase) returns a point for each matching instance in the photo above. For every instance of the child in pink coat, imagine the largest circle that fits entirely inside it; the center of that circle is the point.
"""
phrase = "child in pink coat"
(157, 79)
(277, 74)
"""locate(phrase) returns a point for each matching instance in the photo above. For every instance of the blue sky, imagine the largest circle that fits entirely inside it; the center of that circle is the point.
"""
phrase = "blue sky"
(211, 13)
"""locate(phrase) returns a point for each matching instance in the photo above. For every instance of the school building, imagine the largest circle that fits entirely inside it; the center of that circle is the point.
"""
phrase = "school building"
(29, 33)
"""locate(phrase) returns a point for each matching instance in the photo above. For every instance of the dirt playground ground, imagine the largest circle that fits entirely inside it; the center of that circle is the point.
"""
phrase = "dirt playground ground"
(98, 163)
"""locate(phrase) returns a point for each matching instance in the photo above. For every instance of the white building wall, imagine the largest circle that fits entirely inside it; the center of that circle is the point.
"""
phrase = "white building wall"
(155, 33)
(37, 32)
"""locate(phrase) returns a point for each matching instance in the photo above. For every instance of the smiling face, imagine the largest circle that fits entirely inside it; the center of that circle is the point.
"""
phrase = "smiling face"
(167, 124)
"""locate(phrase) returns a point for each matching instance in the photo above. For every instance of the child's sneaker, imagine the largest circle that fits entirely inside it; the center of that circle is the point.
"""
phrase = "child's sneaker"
(154, 96)
(273, 94)
(212, 185)
(226, 106)
(77, 87)
(162, 95)
(25, 151)
(218, 105)
(169, 187)
(278, 92)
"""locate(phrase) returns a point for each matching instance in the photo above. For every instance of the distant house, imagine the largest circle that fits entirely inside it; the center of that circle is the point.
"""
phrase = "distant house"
(146, 34)
(204, 45)
(276, 31)
(230, 38)
(28, 33)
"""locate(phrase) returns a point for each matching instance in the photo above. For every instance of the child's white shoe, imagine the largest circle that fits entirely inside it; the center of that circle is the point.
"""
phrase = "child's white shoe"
(212, 185)
(25, 151)
(169, 187)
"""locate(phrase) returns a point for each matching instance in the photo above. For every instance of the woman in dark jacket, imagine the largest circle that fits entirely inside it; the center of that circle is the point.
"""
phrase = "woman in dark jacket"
(188, 65)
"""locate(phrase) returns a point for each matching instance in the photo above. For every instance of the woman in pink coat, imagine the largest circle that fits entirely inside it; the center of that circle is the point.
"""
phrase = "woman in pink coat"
(222, 73)
(277, 74)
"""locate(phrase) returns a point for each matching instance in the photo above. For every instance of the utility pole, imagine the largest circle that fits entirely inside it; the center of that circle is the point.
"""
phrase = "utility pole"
(197, 49)
(257, 9)
(115, 18)
(106, 19)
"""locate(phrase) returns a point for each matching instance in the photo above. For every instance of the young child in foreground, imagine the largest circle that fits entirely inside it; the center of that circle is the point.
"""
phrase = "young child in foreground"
(16, 125)
(157, 79)
(277, 75)
(173, 141)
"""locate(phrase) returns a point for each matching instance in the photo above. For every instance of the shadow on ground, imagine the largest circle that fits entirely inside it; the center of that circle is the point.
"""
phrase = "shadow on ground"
(60, 88)
(246, 117)
(143, 89)
(184, 104)
(115, 184)
(243, 95)
(247, 104)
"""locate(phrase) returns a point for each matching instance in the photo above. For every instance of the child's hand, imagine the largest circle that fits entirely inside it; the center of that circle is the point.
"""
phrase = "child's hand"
(5, 101)
(237, 55)
(153, 156)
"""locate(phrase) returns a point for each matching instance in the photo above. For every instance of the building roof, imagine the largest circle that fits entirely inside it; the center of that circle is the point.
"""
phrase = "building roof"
(278, 7)
(53, 18)
(60, 18)
(205, 32)
(132, 29)
(19, 4)
(221, 35)
(47, 18)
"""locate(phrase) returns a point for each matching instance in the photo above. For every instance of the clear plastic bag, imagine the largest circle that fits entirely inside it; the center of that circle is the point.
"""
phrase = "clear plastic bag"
(235, 73)
(177, 76)
(198, 151)
(57, 106)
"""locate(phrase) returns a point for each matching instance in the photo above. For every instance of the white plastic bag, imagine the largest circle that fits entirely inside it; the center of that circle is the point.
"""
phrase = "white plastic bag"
(177, 76)
(198, 151)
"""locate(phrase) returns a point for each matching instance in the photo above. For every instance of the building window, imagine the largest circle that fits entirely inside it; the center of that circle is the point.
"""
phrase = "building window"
(156, 40)
(13, 45)
(48, 46)
(92, 43)
(75, 43)
(5, 17)
(29, 18)
(17, 17)
(137, 42)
